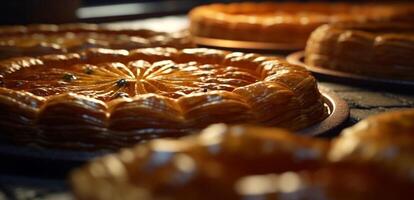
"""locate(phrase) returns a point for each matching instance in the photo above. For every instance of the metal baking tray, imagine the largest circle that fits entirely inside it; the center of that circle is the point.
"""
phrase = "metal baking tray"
(247, 46)
(348, 78)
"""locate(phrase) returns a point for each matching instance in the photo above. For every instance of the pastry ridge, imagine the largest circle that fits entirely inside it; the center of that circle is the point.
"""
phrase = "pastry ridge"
(124, 94)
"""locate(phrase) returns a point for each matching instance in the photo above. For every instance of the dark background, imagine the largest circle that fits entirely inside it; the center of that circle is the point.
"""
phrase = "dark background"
(67, 11)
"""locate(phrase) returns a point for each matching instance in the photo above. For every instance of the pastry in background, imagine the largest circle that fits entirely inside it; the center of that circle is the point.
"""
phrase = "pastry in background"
(371, 160)
(285, 23)
(35, 40)
(383, 50)
(106, 99)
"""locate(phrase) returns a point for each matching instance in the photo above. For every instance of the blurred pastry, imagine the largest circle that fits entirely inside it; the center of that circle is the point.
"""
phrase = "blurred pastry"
(285, 23)
(104, 98)
(329, 183)
(373, 49)
(386, 139)
(203, 166)
(372, 160)
(35, 40)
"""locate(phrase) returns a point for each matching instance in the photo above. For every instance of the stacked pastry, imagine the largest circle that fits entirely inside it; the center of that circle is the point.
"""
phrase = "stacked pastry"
(37, 40)
(103, 98)
(285, 23)
(372, 160)
(373, 49)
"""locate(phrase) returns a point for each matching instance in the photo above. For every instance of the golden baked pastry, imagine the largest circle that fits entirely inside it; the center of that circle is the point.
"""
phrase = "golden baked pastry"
(35, 40)
(375, 49)
(285, 23)
(103, 98)
(372, 160)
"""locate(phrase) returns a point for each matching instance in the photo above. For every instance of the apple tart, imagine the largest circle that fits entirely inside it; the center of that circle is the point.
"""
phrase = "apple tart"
(35, 40)
(247, 162)
(382, 50)
(285, 23)
(104, 98)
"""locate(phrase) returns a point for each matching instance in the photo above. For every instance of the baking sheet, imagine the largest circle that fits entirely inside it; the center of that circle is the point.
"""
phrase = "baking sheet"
(348, 78)
(247, 46)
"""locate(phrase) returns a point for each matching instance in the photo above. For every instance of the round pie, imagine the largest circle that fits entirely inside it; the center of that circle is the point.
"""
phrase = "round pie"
(246, 162)
(284, 23)
(373, 49)
(103, 98)
(35, 40)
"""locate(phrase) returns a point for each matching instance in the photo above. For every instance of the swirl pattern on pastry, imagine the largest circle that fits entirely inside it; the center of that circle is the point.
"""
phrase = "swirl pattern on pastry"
(110, 98)
(245, 162)
(35, 40)
(285, 23)
(374, 49)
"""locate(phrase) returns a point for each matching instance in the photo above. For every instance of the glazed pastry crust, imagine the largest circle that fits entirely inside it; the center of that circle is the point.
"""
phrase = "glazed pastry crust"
(103, 98)
(290, 23)
(377, 49)
(42, 39)
(247, 162)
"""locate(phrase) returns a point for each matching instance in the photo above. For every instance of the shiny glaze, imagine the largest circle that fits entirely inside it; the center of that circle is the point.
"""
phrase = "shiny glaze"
(106, 80)
(119, 97)
(245, 162)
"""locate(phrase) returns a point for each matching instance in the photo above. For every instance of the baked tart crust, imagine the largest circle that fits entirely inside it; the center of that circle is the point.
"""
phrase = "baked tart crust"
(103, 98)
(285, 23)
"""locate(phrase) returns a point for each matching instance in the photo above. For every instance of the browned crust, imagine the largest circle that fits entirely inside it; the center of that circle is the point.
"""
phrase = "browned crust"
(285, 22)
(285, 95)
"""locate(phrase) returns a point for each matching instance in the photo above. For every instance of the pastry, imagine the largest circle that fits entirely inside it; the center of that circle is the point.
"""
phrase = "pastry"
(372, 160)
(103, 98)
(381, 50)
(35, 40)
(202, 166)
(385, 138)
(285, 23)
